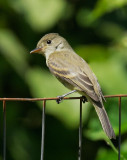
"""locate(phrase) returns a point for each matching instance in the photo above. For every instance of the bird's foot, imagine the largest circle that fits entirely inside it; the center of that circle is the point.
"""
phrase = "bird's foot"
(60, 98)
(84, 99)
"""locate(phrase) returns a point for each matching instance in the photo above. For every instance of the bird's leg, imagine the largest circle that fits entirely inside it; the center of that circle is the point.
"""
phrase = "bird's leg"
(64, 95)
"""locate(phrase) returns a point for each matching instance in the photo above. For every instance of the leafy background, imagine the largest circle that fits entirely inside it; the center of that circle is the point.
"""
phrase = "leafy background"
(97, 30)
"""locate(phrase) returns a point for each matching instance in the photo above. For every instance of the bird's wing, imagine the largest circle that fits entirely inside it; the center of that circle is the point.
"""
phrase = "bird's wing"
(79, 75)
(73, 70)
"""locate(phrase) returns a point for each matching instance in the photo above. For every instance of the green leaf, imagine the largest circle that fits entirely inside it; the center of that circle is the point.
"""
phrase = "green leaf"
(40, 14)
(13, 51)
(104, 6)
(93, 53)
(86, 17)
(110, 154)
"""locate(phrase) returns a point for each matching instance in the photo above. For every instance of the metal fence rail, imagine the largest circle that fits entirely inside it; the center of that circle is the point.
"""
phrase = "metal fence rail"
(81, 99)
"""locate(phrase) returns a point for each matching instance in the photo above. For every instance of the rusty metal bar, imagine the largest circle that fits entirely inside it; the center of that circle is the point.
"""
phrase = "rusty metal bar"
(54, 98)
(4, 130)
(119, 143)
(36, 99)
(43, 130)
(80, 133)
(118, 95)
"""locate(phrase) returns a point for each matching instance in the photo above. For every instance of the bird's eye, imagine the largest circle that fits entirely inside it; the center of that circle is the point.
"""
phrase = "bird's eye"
(48, 41)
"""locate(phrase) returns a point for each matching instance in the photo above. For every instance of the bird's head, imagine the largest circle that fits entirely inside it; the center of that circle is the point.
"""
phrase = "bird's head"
(50, 43)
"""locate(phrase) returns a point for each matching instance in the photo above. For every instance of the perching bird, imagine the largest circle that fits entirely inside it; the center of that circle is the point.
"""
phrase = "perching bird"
(70, 69)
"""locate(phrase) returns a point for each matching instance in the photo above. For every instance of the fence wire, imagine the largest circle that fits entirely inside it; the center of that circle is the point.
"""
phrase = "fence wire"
(4, 100)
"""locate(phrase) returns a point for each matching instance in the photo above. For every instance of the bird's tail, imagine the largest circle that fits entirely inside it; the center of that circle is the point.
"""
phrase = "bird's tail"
(103, 117)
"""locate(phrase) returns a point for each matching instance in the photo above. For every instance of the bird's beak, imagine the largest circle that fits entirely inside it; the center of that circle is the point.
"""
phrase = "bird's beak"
(36, 50)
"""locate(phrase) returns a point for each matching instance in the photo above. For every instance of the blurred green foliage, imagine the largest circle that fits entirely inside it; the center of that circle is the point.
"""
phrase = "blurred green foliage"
(97, 32)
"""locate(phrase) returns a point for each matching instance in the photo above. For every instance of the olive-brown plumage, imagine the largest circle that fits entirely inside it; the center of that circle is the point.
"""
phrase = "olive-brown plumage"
(70, 69)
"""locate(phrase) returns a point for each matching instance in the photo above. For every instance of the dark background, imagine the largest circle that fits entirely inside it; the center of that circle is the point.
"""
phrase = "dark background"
(97, 31)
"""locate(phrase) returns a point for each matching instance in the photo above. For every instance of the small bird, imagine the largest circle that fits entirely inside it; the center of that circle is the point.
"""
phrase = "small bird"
(74, 73)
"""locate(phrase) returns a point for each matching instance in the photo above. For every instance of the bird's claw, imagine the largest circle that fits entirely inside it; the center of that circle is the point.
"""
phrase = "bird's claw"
(58, 101)
(84, 99)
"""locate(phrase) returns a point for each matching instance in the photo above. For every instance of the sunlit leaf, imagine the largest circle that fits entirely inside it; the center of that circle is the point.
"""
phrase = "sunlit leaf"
(13, 51)
(40, 14)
